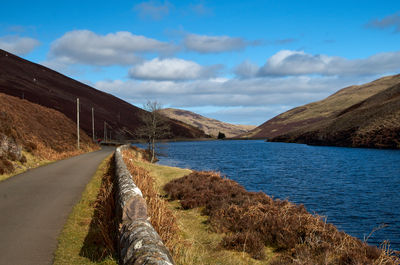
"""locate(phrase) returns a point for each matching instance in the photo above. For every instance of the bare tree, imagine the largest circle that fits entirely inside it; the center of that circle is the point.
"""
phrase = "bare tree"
(155, 126)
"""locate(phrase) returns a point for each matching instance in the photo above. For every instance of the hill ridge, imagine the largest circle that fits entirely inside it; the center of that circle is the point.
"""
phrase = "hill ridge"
(317, 112)
(208, 125)
(41, 85)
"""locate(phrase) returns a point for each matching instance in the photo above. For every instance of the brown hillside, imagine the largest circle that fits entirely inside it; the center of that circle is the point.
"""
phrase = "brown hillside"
(41, 85)
(41, 131)
(374, 122)
(209, 126)
(319, 112)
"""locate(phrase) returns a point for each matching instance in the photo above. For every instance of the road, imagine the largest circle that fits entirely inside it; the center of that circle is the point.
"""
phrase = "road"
(34, 207)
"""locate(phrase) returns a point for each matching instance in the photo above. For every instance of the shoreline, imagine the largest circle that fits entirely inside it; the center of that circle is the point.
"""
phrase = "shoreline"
(354, 247)
(341, 215)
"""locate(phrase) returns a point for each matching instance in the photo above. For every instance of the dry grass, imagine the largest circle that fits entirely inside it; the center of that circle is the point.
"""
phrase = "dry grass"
(251, 221)
(195, 242)
(19, 167)
(161, 217)
(46, 134)
(89, 235)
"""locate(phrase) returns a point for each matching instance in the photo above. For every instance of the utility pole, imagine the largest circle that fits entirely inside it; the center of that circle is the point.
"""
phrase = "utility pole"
(105, 132)
(93, 123)
(77, 120)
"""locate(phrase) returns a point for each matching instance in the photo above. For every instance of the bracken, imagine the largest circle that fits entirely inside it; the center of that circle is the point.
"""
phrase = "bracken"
(253, 220)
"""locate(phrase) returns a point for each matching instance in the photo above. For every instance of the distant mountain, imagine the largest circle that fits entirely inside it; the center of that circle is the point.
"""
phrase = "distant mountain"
(357, 116)
(41, 85)
(210, 126)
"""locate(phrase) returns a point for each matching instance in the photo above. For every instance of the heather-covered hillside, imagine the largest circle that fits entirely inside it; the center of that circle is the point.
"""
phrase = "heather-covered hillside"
(28, 129)
(41, 85)
(356, 116)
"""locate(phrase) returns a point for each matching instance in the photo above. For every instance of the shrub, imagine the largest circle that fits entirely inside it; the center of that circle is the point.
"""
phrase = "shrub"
(30, 146)
(253, 220)
(23, 159)
(5, 166)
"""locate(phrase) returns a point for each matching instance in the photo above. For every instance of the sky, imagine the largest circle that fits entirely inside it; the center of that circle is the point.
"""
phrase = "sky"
(241, 62)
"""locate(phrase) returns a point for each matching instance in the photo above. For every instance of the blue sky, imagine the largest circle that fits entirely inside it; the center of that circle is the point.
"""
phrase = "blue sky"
(237, 61)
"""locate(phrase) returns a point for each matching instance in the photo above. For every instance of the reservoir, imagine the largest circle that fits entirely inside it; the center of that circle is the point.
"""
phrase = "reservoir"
(355, 189)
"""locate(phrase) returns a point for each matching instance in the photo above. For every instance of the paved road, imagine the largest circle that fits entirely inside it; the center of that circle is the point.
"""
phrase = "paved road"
(35, 205)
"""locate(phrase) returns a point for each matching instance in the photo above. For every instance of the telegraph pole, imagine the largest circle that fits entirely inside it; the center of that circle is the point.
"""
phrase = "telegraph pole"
(77, 120)
(105, 132)
(93, 123)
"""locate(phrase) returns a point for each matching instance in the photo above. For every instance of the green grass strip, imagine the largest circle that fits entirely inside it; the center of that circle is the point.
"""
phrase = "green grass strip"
(73, 244)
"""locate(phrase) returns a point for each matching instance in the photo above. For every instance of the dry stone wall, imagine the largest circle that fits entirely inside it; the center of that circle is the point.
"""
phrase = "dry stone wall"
(139, 243)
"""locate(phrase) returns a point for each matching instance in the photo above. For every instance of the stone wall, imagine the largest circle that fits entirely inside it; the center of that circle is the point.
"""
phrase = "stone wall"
(138, 242)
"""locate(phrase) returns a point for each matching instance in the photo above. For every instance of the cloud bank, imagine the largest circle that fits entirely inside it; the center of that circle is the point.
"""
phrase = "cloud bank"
(172, 69)
(266, 94)
(294, 63)
(120, 48)
(214, 44)
(18, 45)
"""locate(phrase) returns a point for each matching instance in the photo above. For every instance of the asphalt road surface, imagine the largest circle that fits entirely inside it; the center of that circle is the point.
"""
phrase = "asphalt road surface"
(34, 207)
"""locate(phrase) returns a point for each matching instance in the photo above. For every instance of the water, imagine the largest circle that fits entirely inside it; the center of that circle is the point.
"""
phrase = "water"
(356, 189)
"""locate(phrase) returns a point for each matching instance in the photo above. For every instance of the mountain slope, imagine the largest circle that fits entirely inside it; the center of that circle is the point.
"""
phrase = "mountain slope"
(312, 115)
(373, 123)
(29, 128)
(38, 84)
(209, 126)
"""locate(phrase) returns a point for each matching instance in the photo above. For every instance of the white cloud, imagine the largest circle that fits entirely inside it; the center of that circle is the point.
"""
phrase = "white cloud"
(390, 21)
(246, 69)
(246, 101)
(232, 93)
(120, 48)
(243, 115)
(288, 63)
(153, 9)
(18, 45)
(214, 44)
(171, 69)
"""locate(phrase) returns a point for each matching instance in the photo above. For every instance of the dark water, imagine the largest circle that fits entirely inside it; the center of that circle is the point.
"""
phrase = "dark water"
(356, 189)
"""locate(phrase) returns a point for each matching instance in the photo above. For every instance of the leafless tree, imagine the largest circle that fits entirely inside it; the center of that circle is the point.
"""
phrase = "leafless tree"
(155, 126)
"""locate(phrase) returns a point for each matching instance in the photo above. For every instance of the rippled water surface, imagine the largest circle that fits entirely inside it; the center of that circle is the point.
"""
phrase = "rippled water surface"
(357, 189)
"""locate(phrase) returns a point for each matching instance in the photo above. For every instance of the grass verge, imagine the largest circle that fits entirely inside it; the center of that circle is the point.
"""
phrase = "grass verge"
(32, 162)
(87, 237)
(195, 242)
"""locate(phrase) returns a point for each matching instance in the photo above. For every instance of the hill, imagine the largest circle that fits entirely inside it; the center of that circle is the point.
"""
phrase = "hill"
(310, 115)
(357, 116)
(209, 126)
(373, 123)
(28, 130)
(41, 85)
